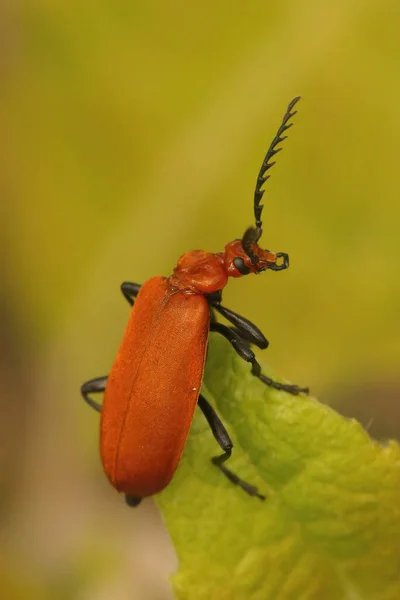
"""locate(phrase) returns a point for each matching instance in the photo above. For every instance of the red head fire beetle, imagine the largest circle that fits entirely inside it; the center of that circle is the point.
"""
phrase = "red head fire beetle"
(154, 384)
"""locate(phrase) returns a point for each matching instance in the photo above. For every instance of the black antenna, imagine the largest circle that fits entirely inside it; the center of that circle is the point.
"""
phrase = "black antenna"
(253, 234)
(272, 150)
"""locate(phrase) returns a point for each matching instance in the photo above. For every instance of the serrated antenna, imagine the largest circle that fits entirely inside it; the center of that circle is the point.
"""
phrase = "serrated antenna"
(266, 164)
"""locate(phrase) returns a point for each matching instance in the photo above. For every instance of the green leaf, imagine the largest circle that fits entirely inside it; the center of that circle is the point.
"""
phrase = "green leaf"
(330, 527)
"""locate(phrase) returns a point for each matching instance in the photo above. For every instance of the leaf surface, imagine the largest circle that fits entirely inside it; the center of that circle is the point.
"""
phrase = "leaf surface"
(330, 527)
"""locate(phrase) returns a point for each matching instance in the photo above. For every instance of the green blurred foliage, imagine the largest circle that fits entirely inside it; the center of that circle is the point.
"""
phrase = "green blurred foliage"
(133, 132)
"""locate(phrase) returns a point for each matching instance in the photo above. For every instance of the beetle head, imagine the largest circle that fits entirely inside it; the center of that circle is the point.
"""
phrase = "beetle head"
(246, 256)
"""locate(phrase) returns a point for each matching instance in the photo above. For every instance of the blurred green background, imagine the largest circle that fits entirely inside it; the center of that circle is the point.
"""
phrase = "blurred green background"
(133, 132)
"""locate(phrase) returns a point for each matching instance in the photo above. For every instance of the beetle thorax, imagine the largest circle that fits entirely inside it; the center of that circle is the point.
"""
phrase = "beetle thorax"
(199, 272)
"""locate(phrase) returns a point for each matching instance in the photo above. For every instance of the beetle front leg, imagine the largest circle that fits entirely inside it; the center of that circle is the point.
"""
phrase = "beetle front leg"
(222, 437)
(247, 330)
(286, 387)
(241, 347)
(94, 386)
(130, 291)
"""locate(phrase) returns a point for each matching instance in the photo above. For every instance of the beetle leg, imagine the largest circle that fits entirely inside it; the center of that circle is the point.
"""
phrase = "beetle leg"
(241, 347)
(286, 387)
(222, 437)
(246, 328)
(93, 387)
(132, 501)
(234, 338)
(130, 291)
(213, 318)
(214, 297)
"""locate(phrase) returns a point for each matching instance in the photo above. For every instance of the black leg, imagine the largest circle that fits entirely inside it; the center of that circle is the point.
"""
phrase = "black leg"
(248, 355)
(223, 439)
(213, 318)
(246, 328)
(132, 501)
(130, 291)
(93, 387)
(234, 338)
(286, 387)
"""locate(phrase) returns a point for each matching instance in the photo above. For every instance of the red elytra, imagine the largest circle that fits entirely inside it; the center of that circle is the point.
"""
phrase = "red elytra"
(152, 391)
(154, 384)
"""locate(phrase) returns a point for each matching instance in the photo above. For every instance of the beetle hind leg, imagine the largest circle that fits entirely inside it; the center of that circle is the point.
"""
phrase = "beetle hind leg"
(222, 437)
(132, 501)
(247, 487)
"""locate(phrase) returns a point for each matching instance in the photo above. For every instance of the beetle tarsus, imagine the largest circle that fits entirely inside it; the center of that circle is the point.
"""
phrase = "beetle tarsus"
(295, 390)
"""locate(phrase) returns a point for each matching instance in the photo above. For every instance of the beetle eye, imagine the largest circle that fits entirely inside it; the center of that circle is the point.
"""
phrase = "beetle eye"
(241, 267)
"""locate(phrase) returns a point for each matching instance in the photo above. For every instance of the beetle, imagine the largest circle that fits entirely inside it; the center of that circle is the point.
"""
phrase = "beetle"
(154, 384)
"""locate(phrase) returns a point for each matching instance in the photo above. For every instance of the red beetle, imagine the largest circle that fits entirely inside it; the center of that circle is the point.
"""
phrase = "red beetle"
(154, 385)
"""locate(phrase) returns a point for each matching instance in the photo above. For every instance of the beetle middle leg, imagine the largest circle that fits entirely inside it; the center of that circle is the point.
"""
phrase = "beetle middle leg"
(241, 347)
(222, 437)
(130, 291)
(94, 386)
